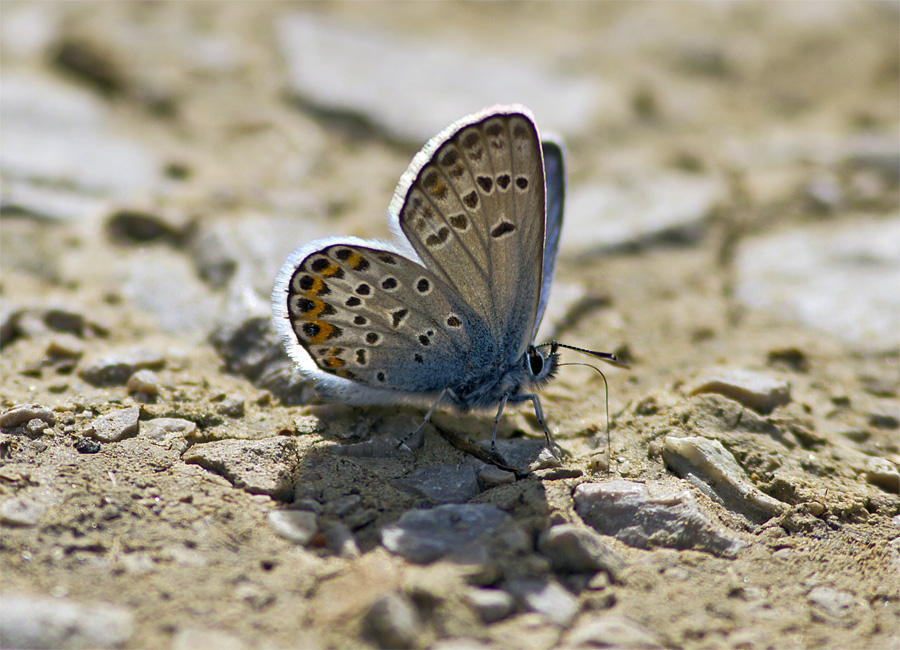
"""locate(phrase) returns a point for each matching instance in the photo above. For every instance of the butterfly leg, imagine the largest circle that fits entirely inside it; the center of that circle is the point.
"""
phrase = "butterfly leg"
(426, 419)
(503, 401)
(539, 414)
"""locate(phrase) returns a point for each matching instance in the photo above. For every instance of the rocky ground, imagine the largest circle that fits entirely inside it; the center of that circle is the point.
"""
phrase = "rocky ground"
(731, 230)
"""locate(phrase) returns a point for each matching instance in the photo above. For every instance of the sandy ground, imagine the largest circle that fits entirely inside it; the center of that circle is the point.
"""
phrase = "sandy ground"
(163, 537)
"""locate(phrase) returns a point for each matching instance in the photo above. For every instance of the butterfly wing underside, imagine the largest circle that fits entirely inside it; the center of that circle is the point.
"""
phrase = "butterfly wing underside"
(472, 206)
(555, 175)
(372, 317)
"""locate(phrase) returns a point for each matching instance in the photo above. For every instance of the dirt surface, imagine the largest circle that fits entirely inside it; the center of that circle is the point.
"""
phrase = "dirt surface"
(174, 529)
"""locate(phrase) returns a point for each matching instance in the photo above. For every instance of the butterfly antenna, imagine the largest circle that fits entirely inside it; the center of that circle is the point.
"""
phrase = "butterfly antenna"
(607, 357)
(606, 390)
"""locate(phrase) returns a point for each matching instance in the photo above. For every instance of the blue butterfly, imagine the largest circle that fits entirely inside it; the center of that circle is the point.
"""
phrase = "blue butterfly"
(446, 313)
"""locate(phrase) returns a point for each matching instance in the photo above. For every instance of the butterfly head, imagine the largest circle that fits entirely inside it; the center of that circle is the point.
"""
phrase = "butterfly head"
(541, 363)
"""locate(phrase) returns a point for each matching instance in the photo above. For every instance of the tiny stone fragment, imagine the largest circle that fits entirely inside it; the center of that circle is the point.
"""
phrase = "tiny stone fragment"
(143, 381)
(547, 598)
(297, 526)
(491, 605)
(882, 473)
(115, 426)
(393, 622)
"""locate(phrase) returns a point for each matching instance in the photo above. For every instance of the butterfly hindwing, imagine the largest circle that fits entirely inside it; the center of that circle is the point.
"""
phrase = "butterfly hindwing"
(377, 318)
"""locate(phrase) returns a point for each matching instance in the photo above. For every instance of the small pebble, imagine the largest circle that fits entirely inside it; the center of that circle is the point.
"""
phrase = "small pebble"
(232, 406)
(87, 446)
(297, 526)
(115, 426)
(143, 381)
(491, 605)
(393, 622)
(22, 414)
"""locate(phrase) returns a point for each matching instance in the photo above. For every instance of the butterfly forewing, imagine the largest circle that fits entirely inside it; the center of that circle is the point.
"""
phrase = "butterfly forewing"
(361, 313)
(474, 213)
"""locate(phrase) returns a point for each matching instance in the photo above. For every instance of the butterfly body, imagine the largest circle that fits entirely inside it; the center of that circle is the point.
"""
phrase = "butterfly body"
(448, 311)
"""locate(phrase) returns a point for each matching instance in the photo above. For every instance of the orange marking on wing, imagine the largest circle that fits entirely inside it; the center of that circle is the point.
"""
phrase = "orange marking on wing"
(325, 330)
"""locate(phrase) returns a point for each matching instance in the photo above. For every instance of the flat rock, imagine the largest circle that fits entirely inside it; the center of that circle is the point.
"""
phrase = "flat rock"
(58, 134)
(41, 622)
(116, 368)
(116, 426)
(838, 277)
(642, 518)
(708, 462)
(576, 549)
(346, 66)
(756, 390)
(258, 466)
(23, 414)
(470, 531)
(442, 483)
(657, 207)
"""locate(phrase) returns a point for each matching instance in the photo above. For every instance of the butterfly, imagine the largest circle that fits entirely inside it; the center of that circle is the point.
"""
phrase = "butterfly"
(446, 313)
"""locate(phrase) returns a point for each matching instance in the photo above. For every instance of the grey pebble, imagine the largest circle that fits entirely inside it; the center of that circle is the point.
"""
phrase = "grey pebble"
(611, 630)
(707, 461)
(634, 515)
(174, 433)
(36, 427)
(21, 511)
(143, 381)
(756, 390)
(574, 548)
(442, 483)
(257, 466)
(491, 605)
(297, 526)
(468, 530)
(882, 473)
(393, 622)
(42, 622)
(548, 598)
(116, 426)
(22, 414)
(117, 368)
(232, 406)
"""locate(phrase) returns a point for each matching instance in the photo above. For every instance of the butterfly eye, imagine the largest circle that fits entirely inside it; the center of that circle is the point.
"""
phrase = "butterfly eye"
(535, 363)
